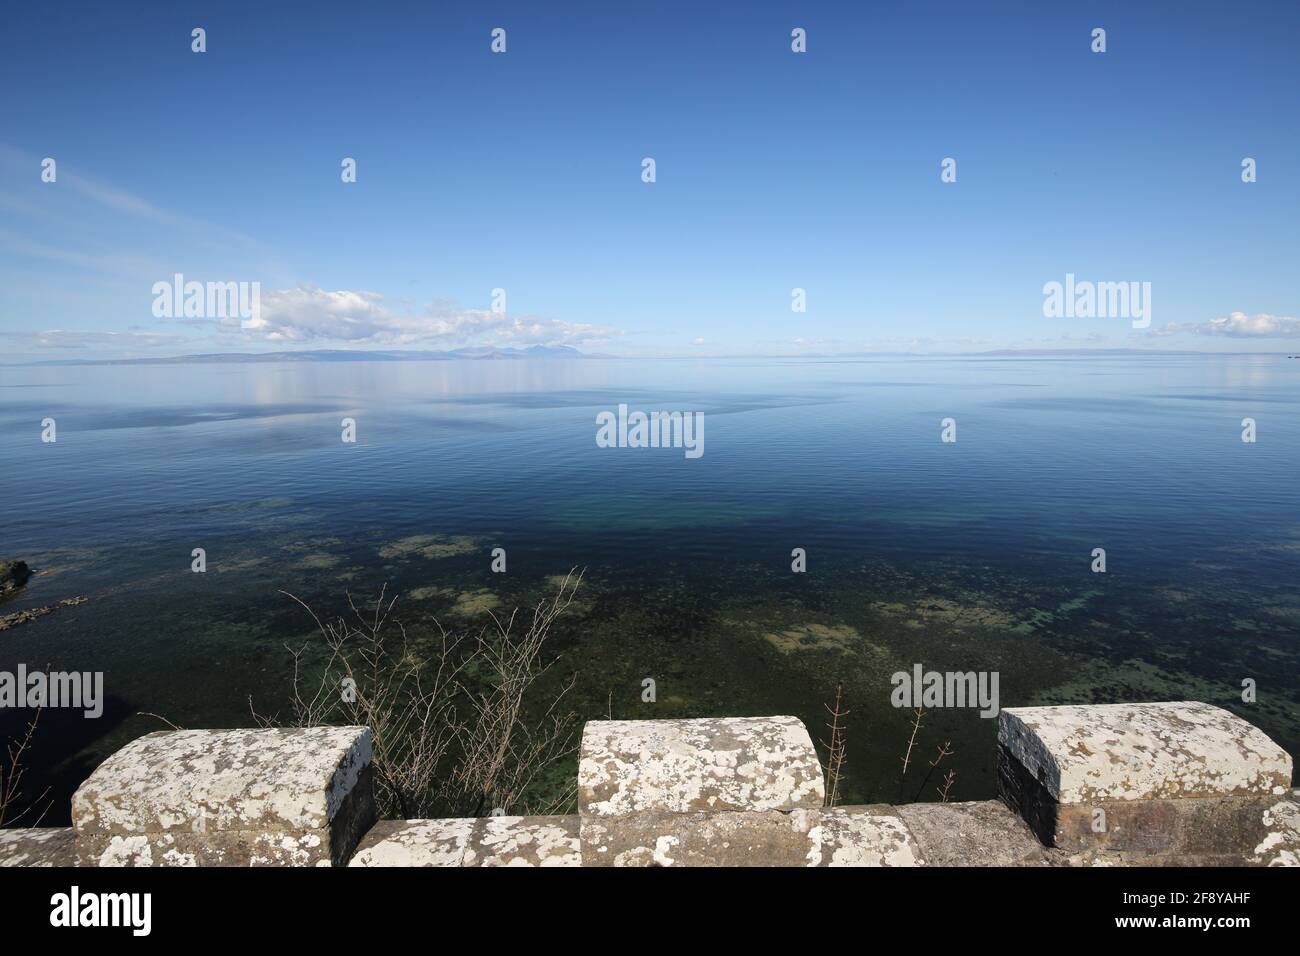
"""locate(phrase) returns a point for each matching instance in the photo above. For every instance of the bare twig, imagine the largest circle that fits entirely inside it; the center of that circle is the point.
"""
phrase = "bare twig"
(918, 715)
(948, 779)
(11, 779)
(448, 721)
(836, 746)
(502, 754)
(145, 713)
(943, 751)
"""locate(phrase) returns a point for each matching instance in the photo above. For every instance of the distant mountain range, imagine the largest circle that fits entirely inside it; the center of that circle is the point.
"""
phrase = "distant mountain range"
(566, 352)
(336, 355)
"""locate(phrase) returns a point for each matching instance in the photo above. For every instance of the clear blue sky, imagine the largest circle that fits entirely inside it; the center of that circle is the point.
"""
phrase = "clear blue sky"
(774, 170)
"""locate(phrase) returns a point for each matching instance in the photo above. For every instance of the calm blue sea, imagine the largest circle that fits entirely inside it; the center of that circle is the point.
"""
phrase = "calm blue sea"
(973, 555)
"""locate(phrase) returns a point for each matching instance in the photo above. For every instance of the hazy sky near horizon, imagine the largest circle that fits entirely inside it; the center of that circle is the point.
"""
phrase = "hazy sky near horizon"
(774, 170)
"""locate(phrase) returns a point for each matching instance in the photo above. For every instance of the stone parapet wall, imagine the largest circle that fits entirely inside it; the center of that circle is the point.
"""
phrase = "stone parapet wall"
(677, 766)
(485, 841)
(300, 796)
(1153, 783)
(1175, 783)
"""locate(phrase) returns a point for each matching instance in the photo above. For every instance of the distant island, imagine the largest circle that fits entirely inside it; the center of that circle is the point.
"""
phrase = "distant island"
(489, 353)
(336, 355)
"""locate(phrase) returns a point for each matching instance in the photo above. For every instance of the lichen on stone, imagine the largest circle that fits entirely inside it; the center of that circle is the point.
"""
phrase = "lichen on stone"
(754, 763)
(1085, 753)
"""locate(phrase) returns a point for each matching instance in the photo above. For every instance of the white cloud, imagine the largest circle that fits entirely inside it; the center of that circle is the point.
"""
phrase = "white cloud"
(1239, 325)
(308, 314)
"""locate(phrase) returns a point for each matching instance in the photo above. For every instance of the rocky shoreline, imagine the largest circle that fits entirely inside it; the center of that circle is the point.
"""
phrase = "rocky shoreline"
(15, 574)
(26, 617)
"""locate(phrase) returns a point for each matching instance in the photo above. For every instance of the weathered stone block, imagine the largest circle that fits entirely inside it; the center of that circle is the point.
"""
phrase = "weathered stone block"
(1141, 780)
(983, 833)
(1281, 843)
(1199, 827)
(860, 836)
(297, 796)
(415, 843)
(844, 836)
(38, 846)
(679, 766)
(486, 841)
(702, 838)
(525, 841)
(1140, 751)
(840, 836)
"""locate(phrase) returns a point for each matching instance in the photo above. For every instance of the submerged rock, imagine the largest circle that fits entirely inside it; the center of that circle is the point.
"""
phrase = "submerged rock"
(31, 614)
(13, 575)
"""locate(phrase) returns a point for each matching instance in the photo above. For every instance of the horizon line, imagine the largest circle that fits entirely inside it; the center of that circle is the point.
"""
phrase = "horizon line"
(564, 352)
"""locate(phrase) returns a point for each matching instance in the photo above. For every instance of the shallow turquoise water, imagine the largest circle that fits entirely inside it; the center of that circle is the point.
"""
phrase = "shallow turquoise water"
(969, 556)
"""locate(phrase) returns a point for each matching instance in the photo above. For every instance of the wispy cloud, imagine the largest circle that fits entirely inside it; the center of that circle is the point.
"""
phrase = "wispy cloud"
(108, 197)
(79, 226)
(70, 340)
(91, 259)
(1239, 325)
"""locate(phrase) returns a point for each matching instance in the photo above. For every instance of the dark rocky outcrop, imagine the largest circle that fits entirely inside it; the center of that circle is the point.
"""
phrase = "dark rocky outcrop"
(13, 575)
